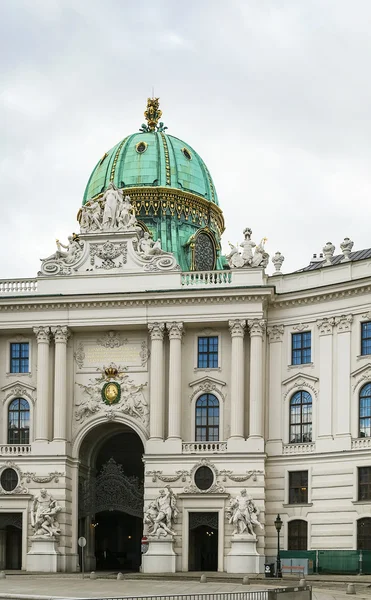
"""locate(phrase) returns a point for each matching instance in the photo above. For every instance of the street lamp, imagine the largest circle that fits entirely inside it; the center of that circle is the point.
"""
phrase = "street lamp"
(278, 525)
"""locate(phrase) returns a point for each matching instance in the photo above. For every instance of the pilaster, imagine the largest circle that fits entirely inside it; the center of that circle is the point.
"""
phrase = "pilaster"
(237, 330)
(156, 424)
(43, 412)
(343, 368)
(61, 335)
(325, 403)
(257, 329)
(175, 379)
(275, 429)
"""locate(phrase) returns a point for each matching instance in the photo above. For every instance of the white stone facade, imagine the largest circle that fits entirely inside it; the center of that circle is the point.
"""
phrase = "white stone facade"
(149, 324)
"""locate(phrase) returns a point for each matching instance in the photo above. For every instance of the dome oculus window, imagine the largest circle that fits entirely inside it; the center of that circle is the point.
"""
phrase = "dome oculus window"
(9, 480)
(141, 147)
(187, 153)
(204, 478)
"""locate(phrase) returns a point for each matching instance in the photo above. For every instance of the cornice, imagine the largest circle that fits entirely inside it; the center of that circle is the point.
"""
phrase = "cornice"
(313, 296)
(21, 304)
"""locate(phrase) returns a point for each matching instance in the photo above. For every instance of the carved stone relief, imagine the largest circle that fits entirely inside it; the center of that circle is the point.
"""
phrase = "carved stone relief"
(91, 354)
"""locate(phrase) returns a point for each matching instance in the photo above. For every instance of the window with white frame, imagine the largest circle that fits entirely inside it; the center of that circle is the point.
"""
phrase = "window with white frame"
(19, 421)
(207, 418)
(19, 357)
(300, 418)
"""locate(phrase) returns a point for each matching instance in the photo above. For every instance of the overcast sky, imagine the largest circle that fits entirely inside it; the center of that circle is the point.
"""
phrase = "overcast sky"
(275, 95)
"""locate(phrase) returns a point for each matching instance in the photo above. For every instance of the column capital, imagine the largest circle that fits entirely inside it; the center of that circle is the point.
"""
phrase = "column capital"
(275, 333)
(61, 333)
(237, 327)
(257, 327)
(175, 330)
(344, 323)
(325, 326)
(156, 330)
(42, 334)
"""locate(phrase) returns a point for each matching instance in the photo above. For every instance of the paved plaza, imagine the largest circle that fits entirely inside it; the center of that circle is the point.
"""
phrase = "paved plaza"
(58, 586)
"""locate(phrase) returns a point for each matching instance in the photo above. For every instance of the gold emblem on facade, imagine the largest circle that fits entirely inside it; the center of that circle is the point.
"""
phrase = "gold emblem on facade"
(111, 392)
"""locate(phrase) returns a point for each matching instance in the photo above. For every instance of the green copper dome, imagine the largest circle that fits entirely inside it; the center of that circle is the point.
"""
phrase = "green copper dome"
(153, 159)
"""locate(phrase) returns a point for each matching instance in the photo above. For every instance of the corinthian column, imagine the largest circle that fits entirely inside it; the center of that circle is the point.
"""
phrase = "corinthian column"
(175, 379)
(156, 422)
(257, 329)
(237, 329)
(61, 335)
(43, 400)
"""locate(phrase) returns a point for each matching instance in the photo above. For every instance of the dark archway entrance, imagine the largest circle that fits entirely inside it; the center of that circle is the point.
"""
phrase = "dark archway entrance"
(203, 541)
(111, 498)
(10, 541)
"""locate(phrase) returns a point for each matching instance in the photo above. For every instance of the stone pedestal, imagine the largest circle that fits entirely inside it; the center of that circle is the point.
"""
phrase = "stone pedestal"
(160, 556)
(43, 555)
(243, 556)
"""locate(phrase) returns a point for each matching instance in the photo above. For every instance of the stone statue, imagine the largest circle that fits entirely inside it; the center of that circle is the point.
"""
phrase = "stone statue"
(328, 253)
(161, 513)
(252, 255)
(44, 514)
(277, 260)
(73, 251)
(125, 218)
(148, 248)
(346, 248)
(243, 513)
(91, 216)
(112, 198)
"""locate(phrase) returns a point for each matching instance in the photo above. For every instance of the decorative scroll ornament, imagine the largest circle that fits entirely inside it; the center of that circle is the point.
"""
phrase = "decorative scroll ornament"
(122, 392)
(54, 476)
(144, 353)
(19, 389)
(61, 333)
(152, 115)
(42, 334)
(111, 339)
(158, 475)
(344, 323)
(175, 330)
(79, 355)
(257, 327)
(252, 255)
(107, 253)
(156, 330)
(207, 385)
(162, 513)
(112, 489)
(243, 513)
(237, 327)
(226, 474)
(275, 333)
(62, 263)
(326, 325)
(44, 516)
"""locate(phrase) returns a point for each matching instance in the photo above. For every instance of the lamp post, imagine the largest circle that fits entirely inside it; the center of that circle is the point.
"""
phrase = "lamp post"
(278, 525)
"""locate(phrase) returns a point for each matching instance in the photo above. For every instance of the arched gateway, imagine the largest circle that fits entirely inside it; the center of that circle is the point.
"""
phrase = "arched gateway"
(110, 499)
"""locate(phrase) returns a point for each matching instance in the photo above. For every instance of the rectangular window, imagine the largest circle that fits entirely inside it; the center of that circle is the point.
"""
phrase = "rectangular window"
(364, 483)
(298, 487)
(366, 338)
(19, 358)
(301, 353)
(207, 356)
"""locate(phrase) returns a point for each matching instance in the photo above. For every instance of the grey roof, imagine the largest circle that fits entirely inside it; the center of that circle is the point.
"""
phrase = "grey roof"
(353, 256)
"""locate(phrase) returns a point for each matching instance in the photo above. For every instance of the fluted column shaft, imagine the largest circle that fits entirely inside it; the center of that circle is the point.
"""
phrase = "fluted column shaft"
(61, 335)
(43, 400)
(257, 329)
(175, 379)
(237, 329)
(156, 422)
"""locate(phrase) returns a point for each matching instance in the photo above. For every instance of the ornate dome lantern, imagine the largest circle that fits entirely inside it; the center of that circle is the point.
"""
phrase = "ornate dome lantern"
(170, 188)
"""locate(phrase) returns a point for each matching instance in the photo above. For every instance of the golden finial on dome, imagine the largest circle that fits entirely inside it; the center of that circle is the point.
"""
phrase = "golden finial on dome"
(152, 115)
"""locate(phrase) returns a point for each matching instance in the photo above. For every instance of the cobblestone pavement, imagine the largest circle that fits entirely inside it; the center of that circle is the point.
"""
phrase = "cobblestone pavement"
(73, 586)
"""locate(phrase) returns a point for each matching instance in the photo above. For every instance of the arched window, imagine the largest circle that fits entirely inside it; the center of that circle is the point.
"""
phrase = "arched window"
(19, 422)
(365, 411)
(364, 534)
(301, 418)
(207, 418)
(297, 535)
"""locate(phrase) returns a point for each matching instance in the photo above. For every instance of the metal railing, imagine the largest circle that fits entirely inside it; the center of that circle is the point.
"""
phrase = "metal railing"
(301, 593)
(14, 450)
(18, 286)
(204, 447)
(208, 278)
